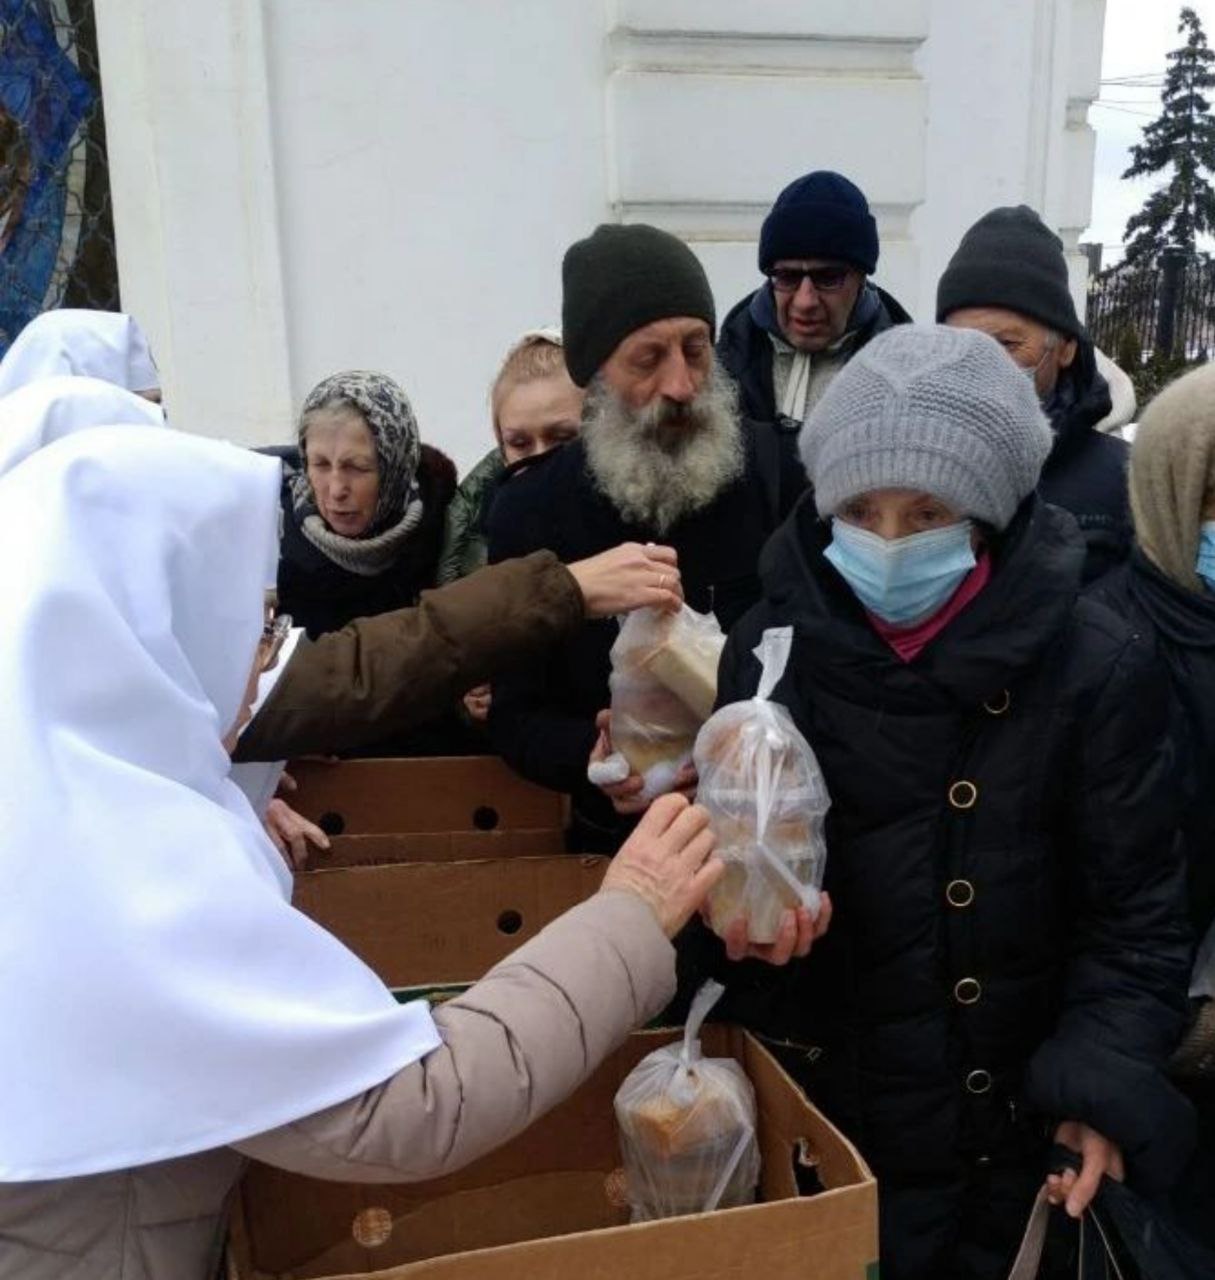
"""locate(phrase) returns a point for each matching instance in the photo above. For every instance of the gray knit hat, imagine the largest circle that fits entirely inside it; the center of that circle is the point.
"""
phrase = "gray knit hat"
(930, 408)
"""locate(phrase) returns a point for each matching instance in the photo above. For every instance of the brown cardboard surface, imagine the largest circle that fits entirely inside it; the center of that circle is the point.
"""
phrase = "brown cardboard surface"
(538, 1209)
(422, 923)
(439, 795)
(434, 846)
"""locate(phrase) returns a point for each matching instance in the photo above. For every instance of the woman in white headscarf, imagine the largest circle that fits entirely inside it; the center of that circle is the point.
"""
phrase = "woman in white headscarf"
(165, 1009)
(107, 345)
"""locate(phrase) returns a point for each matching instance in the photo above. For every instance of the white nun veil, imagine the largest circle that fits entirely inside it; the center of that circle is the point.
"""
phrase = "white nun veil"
(48, 410)
(95, 344)
(159, 996)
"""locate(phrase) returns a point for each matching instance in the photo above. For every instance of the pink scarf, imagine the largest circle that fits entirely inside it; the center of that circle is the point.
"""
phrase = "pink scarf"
(910, 642)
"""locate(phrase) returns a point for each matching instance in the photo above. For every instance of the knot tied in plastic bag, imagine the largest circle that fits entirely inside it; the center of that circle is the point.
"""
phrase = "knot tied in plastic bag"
(663, 685)
(688, 1127)
(767, 803)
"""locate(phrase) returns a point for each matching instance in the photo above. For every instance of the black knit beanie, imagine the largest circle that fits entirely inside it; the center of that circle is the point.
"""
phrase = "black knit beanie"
(820, 215)
(1010, 258)
(620, 279)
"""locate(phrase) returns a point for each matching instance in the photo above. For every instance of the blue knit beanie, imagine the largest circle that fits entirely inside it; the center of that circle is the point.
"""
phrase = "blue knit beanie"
(821, 215)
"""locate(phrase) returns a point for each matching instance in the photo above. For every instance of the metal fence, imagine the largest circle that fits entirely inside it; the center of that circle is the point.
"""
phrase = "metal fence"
(1165, 308)
(56, 223)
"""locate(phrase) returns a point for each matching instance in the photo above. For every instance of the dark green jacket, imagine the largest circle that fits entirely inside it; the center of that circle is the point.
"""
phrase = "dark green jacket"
(464, 540)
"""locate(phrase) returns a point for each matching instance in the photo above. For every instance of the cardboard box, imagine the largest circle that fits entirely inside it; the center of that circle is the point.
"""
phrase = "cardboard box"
(547, 1206)
(433, 923)
(438, 796)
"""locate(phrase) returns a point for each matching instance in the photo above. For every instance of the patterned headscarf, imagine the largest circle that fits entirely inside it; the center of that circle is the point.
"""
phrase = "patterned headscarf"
(389, 417)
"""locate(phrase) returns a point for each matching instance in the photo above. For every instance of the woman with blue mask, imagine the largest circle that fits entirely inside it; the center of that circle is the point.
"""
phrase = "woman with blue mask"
(1007, 957)
(1167, 590)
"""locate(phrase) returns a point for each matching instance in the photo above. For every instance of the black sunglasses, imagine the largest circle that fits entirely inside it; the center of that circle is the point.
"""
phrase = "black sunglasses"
(824, 279)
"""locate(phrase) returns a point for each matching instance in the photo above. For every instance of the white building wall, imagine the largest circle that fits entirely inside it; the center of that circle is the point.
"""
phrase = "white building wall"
(302, 186)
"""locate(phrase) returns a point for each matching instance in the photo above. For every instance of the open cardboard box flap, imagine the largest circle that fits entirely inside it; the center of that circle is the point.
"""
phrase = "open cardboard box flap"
(547, 1205)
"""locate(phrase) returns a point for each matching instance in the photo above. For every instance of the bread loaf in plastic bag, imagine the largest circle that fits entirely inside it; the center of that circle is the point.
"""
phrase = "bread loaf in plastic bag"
(663, 685)
(688, 1127)
(767, 803)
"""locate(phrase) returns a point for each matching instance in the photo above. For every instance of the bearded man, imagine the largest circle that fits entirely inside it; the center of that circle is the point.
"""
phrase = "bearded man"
(663, 457)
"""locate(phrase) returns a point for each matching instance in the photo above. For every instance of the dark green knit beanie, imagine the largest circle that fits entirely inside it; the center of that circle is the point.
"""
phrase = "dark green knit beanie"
(620, 279)
(1011, 259)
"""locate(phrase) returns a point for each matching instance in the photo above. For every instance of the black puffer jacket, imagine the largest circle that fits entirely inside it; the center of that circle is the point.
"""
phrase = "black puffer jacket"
(1009, 947)
(1086, 471)
(745, 350)
(1183, 624)
(322, 596)
(543, 721)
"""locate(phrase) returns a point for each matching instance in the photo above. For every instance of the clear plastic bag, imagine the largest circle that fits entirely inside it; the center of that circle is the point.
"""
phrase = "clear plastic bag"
(663, 683)
(688, 1127)
(767, 803)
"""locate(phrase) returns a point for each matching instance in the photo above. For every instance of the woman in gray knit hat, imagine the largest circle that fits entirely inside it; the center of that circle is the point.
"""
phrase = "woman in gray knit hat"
(1007, 960)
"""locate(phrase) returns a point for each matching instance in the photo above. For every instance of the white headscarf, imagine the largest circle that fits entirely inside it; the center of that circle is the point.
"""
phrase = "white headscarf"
(46, 411)
(42, 412)
(93, 344)
(159, 996)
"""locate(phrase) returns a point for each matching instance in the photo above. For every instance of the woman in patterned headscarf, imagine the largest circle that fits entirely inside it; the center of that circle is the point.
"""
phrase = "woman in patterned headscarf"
(363, 513)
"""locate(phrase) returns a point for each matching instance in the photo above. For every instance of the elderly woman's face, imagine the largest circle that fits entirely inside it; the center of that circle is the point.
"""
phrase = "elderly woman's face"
(897, 513)
(343, 469)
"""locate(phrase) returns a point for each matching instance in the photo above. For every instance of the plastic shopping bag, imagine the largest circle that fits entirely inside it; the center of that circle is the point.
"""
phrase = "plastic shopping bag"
(663, 684)
(1122, 1234)
(767, 803)
(688, 1127)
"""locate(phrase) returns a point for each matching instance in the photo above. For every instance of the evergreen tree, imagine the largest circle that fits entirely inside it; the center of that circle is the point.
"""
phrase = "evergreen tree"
(1182, 140)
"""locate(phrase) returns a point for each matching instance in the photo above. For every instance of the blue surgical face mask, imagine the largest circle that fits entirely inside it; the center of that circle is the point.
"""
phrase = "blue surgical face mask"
(1206, 553)
(904, 580)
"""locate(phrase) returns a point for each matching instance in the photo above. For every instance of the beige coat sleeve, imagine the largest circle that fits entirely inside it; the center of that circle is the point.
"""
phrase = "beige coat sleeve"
(384, 675)
(514, 1045)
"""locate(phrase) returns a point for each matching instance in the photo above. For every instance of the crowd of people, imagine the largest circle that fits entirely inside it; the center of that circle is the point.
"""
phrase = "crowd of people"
(1000, 593)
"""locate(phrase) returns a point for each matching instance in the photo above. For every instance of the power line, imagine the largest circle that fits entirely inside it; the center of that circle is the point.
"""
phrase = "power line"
(1126, 111)
(1133, 84)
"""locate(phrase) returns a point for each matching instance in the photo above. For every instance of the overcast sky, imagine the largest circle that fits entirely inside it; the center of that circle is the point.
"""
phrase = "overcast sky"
(1138, 35)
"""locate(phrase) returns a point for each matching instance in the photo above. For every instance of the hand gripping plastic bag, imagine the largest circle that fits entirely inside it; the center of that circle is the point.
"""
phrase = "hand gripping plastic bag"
(767, 803)
(1122, 1235)
(663, 683)
(688, 1127)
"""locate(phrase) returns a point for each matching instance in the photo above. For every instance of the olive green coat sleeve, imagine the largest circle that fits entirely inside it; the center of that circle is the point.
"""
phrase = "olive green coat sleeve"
(384, 675)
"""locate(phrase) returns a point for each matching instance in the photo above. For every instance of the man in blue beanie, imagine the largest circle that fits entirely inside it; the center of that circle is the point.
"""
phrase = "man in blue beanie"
(785, 342)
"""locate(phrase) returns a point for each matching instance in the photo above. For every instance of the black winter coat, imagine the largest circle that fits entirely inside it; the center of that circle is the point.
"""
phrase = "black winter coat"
(542, 721)
(1086, 470)
(322, 596)
(1183, 625)
(745, 350)
(1008, 947)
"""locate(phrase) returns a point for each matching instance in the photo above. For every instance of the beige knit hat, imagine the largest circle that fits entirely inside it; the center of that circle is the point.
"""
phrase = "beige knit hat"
(1172, 470)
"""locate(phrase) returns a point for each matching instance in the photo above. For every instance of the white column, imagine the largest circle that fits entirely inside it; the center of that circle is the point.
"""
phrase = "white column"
(191, 153)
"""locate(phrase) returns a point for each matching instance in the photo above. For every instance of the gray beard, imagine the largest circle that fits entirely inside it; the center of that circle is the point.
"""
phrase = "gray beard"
(659, 464)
